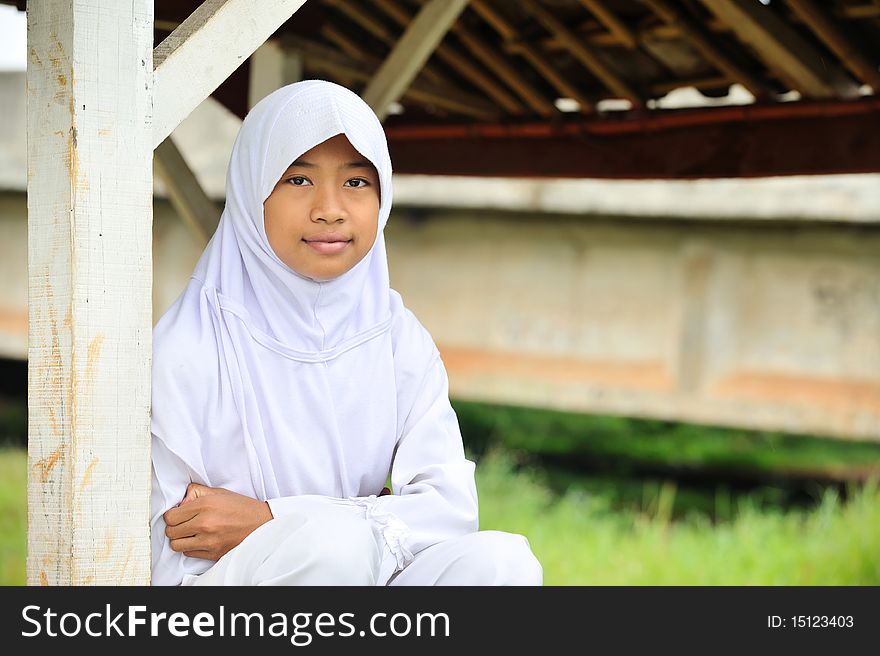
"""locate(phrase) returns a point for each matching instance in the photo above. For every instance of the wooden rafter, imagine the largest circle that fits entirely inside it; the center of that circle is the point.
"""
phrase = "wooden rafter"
(341, 40)
(863, 11)
(583, 53)
(714, 82)
(826, 29)
(504, 70)
(782, 49)
(603, 39)
(410, 53)
(701, 40)
(187, 196)
(615, 26)
(356, 12)
(531, 54)
(363, 19)
(360, 69)
(462, 64)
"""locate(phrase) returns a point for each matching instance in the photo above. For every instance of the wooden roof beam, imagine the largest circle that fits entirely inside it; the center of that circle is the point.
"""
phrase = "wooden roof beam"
(826, 29)
(871, 10)
(702, 42)
(659, 32)
(204, 50)
(615, 26)
(714, 82)
(343, 42)
(187, 196)
(530, 54)
(365, 20)
(462, 64)
(502, 68)
(356, 13)
(782, 49)
(583, 53)
(412, 50)
(360, 69)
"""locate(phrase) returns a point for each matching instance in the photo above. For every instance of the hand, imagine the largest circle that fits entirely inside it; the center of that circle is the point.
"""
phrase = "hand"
(210, 521)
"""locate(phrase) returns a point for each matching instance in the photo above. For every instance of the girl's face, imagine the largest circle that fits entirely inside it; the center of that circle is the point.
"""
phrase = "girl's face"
(323, 214)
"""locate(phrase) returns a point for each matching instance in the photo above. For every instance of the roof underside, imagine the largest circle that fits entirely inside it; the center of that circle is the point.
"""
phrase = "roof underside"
(579, 88)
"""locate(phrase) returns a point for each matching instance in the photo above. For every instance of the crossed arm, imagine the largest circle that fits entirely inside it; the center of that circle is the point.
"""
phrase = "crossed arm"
(210, 521)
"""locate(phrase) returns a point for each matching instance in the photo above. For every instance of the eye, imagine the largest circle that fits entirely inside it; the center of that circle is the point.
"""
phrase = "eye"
(299, 181)
(357, 183)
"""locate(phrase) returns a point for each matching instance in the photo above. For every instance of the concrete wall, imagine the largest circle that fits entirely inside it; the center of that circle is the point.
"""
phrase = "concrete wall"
(773, 327)
(770, 325)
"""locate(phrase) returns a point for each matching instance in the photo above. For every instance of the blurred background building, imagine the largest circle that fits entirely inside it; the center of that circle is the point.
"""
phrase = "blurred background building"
(588, 256)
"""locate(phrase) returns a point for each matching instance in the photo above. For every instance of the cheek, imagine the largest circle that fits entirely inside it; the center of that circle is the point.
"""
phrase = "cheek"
(276, 225)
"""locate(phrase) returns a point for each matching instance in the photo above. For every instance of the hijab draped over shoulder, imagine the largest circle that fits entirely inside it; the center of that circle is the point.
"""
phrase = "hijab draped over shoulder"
(274, 385)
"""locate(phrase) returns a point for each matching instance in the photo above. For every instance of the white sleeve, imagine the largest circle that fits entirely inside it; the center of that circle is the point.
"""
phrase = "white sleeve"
(434, 494)
(170, 478)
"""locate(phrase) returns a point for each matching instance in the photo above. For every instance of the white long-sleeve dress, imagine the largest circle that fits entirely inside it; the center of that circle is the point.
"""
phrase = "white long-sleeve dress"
(278, 386)
(434, 496)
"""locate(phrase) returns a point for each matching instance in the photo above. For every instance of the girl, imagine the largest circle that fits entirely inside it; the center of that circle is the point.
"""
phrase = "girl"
(289, 380)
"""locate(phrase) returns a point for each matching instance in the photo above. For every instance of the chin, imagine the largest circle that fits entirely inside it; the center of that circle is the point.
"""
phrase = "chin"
(326, 276)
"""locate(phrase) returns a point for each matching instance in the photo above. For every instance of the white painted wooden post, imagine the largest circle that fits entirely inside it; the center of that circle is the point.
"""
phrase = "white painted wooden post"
(90, 143)
(272, 66)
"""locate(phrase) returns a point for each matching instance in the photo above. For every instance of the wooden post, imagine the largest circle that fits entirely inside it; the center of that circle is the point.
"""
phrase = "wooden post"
(272, 67)
(90, 132)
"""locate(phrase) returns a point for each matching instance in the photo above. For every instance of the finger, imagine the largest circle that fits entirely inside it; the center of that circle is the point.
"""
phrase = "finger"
(179, 514)
(193, 491)
(203, 554)
(185, 530)
(192, 543)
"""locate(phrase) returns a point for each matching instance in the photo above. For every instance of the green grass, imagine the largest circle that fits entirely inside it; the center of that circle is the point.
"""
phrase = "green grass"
(581, 540)
(586, 536)
(13, 515)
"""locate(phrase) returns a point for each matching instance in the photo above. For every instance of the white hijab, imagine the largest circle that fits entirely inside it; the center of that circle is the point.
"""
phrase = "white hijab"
(265, 381)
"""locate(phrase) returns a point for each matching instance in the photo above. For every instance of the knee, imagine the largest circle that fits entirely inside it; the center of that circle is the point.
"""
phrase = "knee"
(505, 559)
(342, 551)
(334, 549)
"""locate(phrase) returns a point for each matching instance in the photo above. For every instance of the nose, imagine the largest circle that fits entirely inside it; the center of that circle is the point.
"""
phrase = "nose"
(328, 206)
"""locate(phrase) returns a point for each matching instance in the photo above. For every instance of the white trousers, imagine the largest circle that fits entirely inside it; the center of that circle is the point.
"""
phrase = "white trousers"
(332, 546)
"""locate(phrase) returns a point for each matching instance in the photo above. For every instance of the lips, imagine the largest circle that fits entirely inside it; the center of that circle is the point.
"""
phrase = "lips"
(327, 243)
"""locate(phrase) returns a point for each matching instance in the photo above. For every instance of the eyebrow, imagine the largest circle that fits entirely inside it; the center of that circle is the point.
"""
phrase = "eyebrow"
(354, 164)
